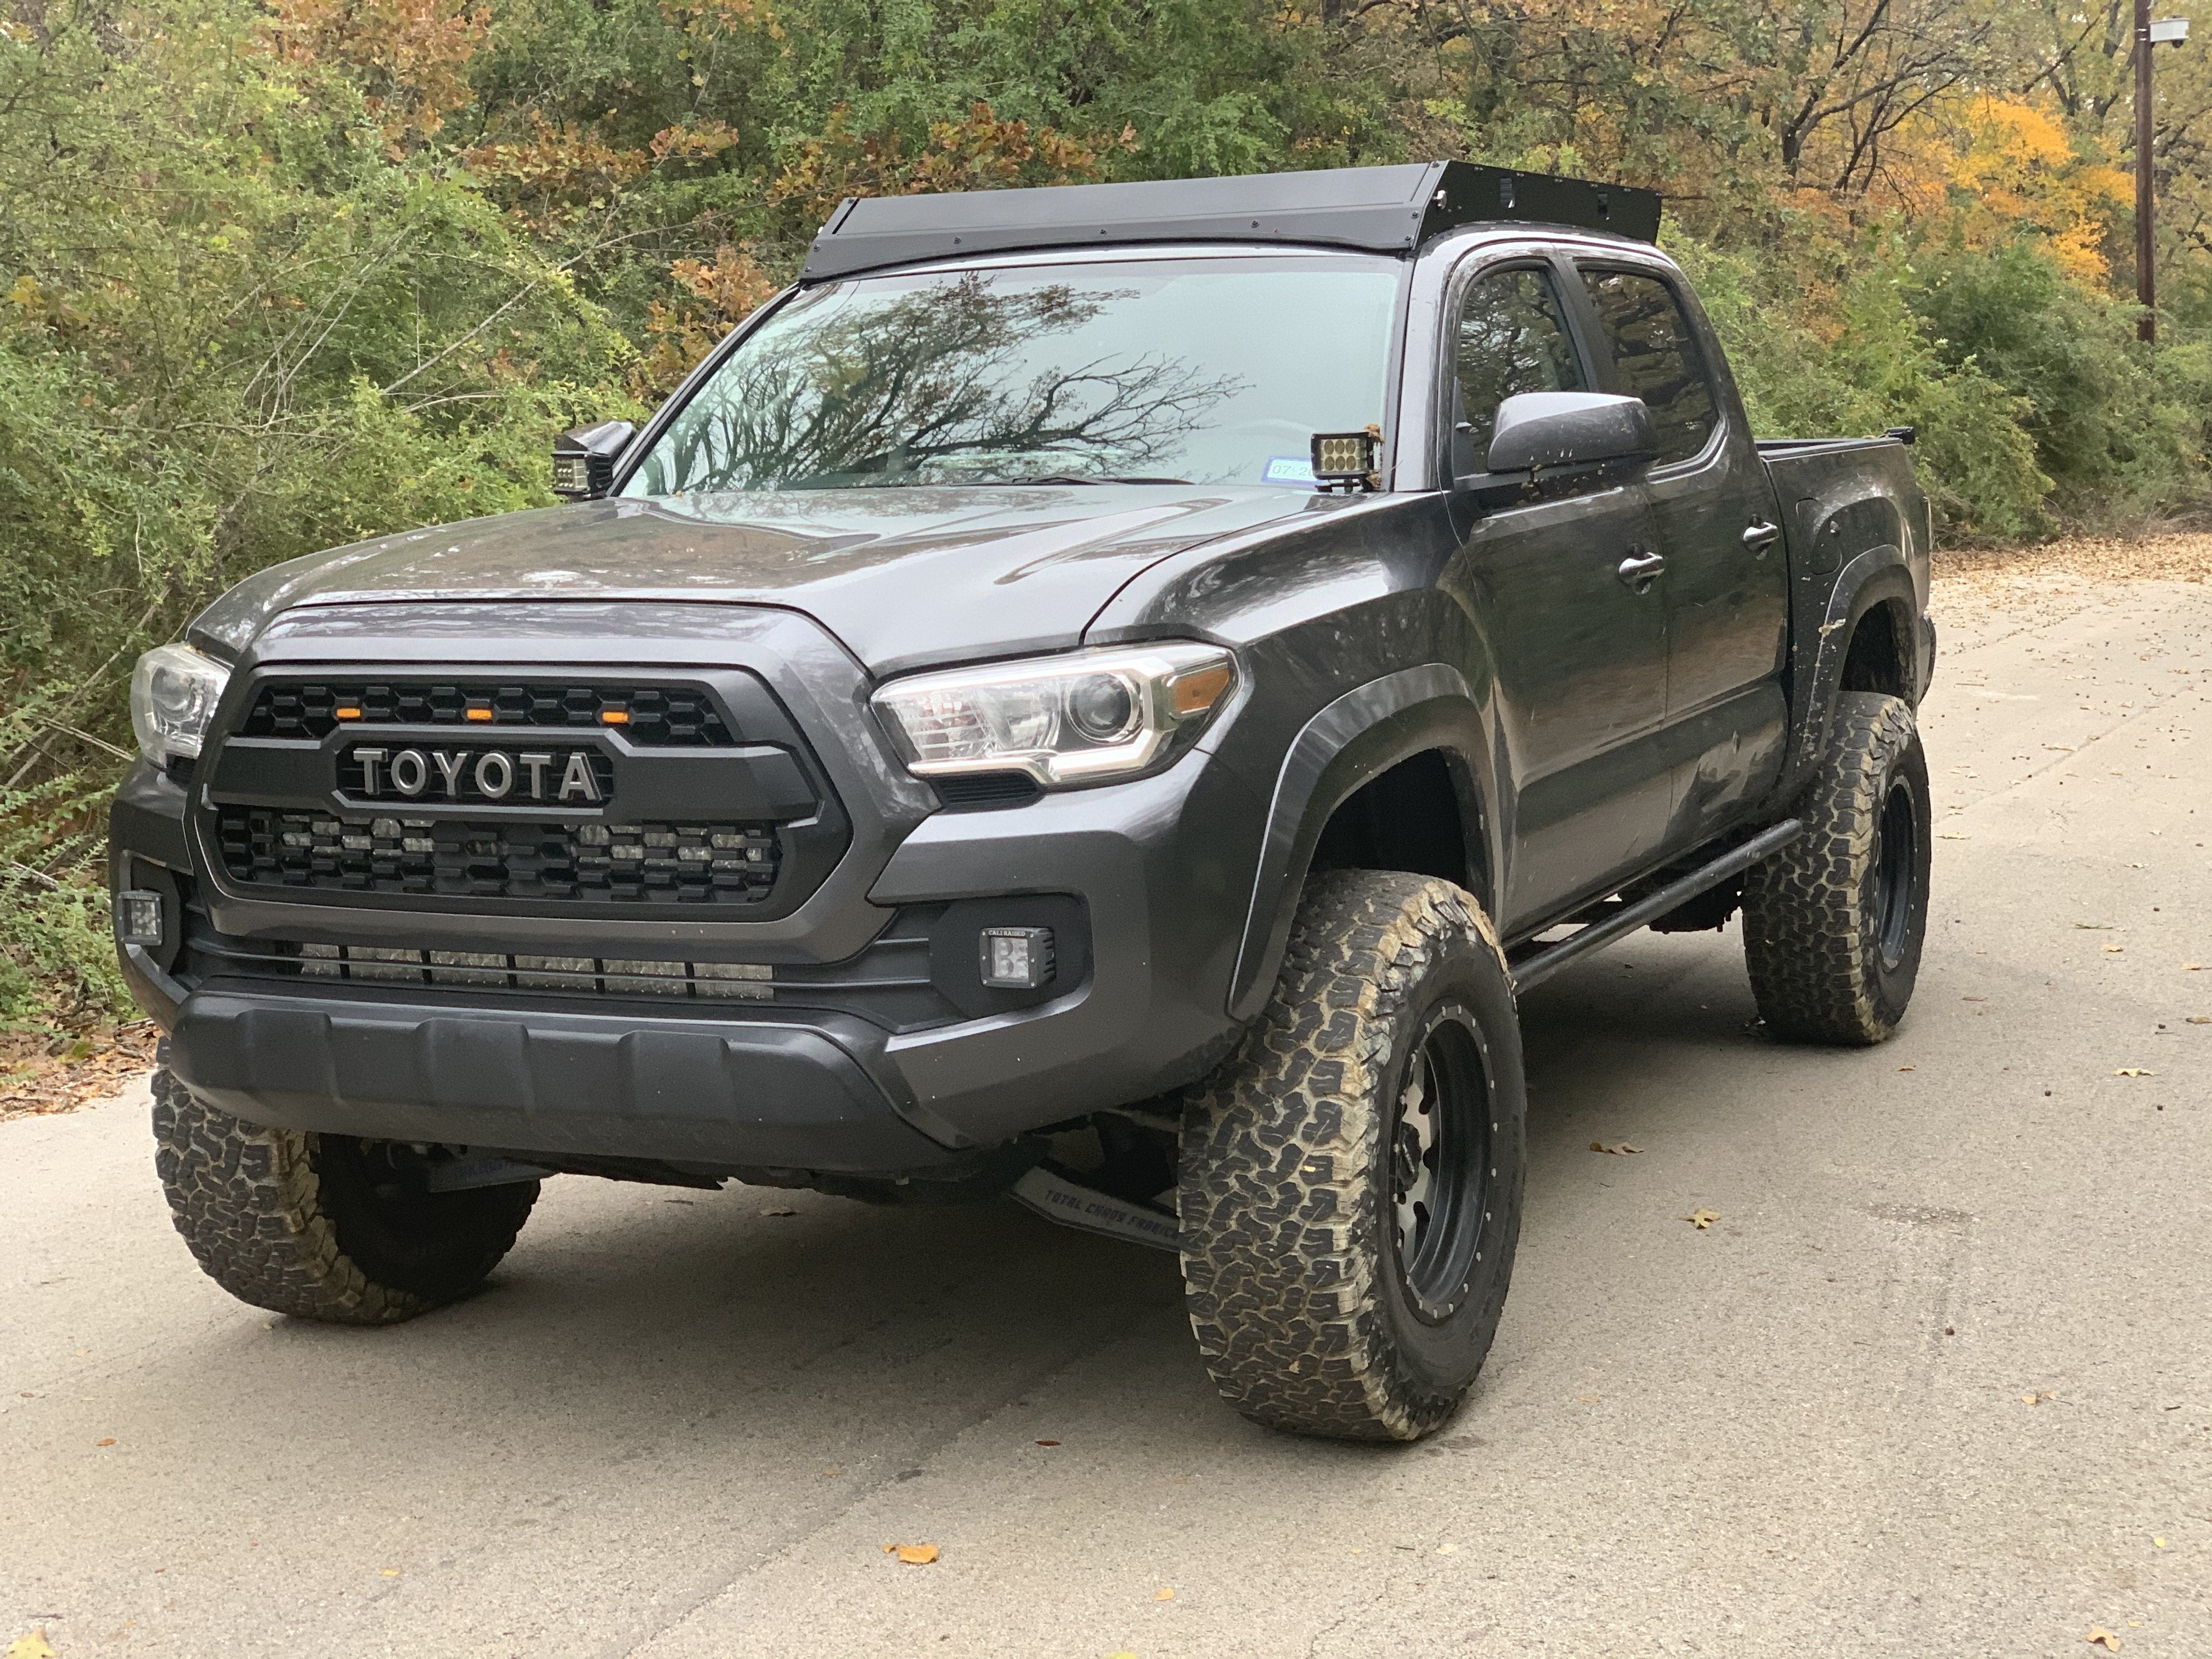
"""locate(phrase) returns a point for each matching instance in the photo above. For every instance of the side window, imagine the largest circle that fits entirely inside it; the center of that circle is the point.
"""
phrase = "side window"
(1656, 357)
(1512, 338)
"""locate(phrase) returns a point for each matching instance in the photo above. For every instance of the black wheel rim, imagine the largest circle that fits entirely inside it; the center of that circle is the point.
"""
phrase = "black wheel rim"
(1896, 875)
(379, 1198)
(1441, 1132)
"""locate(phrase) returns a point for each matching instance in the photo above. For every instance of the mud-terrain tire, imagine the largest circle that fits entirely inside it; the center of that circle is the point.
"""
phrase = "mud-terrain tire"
(1325, 1298)
(1833, 923)
(323, 1227)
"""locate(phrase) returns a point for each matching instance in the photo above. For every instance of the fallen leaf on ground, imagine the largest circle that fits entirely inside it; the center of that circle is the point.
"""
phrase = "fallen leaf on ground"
(34, 1646)
(2099, 926)
(2200, 1019)
(915, 1555)
(1908, 1069)
(2040, 1397)
(2114, 950)
(2134, 1071)
(1618, 1148)
(1164, 1595)
(1048, 1443)
(2158, 1543)
(1702, 1219)
(2192, 967)
(779, 1212)
(388, 1572)
(2098, 1636)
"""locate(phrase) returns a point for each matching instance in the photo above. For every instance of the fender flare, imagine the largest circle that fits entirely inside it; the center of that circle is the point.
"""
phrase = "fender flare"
(1878, 577)
(1349, 742)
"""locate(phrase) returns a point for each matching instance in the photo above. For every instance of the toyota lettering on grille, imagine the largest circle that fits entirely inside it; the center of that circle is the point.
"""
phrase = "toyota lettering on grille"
(572, 777)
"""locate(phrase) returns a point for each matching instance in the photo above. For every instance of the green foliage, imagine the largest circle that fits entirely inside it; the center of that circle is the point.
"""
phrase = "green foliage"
(2119, 429)
(1870, 365)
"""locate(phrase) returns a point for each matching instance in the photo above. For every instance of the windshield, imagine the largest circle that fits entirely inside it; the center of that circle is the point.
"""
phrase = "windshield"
(1208, 370)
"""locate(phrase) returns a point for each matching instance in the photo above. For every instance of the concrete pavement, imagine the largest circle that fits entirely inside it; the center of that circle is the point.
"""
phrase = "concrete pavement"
(680, 1424)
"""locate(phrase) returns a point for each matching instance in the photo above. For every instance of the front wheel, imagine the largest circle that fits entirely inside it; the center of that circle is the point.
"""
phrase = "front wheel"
(1351, 1180)
(324, 1227)
(1833, 923)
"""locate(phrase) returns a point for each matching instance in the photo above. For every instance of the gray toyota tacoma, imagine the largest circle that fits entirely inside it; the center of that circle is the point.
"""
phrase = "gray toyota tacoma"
(1106, 694)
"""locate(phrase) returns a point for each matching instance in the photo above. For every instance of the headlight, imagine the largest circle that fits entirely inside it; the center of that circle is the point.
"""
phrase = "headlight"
(1086, 718)
(173, 694)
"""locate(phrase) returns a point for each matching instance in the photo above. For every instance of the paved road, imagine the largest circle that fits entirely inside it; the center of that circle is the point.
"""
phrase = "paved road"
(684, 1425)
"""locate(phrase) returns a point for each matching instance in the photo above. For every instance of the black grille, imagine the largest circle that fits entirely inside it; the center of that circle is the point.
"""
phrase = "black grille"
(651, 716)
(492, 971)
(595, 863)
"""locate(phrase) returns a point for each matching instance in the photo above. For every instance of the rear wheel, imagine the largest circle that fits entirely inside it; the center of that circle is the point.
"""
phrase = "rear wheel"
(326, 1227)
(1833, 923)
(1350, 1191)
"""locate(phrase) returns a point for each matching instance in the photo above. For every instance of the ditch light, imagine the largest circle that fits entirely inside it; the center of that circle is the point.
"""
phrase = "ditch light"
(1348, 460)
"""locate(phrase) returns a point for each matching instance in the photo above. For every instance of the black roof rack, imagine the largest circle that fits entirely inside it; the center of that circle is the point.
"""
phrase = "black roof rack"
(1382, 209)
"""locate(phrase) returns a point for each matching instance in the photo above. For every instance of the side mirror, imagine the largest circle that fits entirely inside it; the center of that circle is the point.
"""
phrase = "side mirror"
(1540, 430)
(584, 459)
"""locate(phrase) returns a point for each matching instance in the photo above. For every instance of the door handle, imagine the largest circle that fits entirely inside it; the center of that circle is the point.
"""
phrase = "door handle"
(1639, 570)
(1760, 536)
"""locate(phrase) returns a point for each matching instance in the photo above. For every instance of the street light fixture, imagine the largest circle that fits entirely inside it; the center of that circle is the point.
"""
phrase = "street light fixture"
(2149, 32)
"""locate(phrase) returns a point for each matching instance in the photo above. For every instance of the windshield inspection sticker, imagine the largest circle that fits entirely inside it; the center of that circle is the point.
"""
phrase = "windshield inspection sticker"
(1288, 469)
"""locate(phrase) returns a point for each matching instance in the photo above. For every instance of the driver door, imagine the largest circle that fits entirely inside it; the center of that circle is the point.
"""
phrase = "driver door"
(1576, 655)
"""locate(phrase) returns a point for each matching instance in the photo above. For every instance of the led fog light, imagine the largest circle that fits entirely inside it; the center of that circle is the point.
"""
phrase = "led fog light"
(138, 917)
(1017, 958)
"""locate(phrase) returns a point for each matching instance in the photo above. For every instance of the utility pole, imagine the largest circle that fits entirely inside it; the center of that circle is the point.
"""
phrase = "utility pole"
(2149, 35)
(2146, 238)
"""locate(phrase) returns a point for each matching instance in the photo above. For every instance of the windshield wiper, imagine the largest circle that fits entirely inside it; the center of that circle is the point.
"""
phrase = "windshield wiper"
(1074, 478)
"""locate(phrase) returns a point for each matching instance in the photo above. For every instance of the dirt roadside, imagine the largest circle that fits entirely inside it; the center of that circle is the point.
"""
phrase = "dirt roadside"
(42, 1073)
(2176, 557)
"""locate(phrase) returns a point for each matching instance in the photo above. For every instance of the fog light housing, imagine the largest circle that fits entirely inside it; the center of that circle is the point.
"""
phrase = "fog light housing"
(1017, 958)
(138, 917)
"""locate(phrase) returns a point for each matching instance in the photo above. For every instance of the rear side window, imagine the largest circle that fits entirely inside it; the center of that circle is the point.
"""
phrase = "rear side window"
(1512, 339)
(1656, 357)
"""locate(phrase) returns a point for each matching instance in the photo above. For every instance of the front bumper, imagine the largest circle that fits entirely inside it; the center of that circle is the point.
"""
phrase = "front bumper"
(782, 1095)
(782, 1082)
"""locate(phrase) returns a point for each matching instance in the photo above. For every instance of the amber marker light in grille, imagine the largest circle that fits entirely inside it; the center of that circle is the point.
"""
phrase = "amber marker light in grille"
(349, 713)
(613, 717)
(479, 711)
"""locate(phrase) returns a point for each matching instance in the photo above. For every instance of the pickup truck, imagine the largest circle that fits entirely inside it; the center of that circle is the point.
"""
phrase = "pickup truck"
(1108, 694)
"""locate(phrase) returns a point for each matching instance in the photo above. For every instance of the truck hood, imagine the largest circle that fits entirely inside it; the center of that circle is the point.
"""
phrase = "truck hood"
(902, 576)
